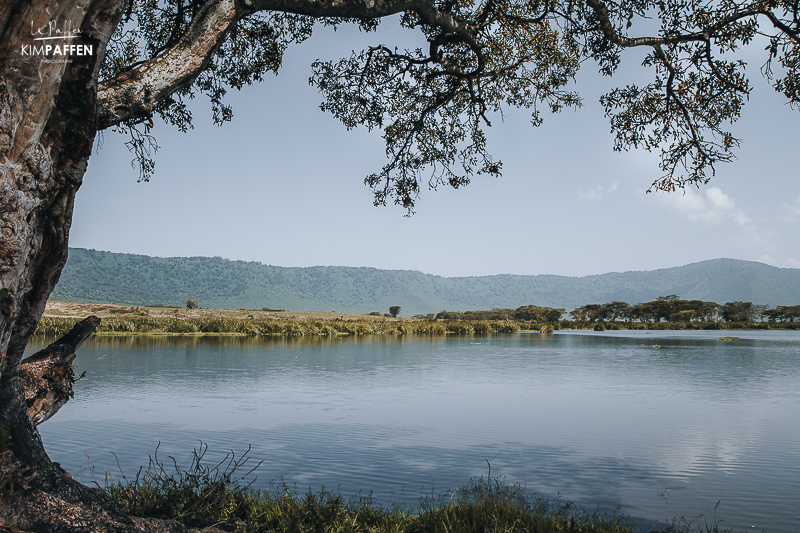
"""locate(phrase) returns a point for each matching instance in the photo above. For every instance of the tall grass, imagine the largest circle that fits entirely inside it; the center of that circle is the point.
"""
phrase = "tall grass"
(289, 327)
(203, 496)
(54, 326)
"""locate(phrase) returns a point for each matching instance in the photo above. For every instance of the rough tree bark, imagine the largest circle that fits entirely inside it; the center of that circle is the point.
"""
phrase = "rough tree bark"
(47, 128)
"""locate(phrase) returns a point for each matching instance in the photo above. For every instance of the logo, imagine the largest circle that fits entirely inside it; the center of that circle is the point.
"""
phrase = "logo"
(50, 43)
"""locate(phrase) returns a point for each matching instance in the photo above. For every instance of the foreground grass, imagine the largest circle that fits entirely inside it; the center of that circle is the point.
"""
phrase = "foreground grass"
(216, 497)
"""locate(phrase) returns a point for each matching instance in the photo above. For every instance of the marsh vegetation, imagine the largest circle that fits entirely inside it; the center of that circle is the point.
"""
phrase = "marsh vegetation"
(289, 327)
(60, 317)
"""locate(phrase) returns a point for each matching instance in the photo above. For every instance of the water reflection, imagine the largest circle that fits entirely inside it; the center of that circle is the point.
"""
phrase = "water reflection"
(602, 419)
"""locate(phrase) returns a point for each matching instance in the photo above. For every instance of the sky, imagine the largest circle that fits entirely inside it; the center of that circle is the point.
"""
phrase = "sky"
(282, 184)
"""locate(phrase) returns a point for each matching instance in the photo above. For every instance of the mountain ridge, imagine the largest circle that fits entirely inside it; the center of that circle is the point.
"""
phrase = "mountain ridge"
(95, 276)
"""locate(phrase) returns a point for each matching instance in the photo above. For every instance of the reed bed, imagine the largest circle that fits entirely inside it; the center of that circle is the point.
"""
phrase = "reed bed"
(291, 327)
(218, 497)
(143, 325)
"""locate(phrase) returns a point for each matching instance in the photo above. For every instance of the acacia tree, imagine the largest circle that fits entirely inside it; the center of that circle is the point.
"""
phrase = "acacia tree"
(129, 61)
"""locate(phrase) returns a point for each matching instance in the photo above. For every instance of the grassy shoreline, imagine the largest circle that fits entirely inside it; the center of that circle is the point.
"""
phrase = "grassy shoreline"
(217, 498)
(60, 317)
(479, 507)
(286, 327)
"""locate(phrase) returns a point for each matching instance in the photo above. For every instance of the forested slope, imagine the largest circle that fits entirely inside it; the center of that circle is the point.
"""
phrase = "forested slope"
(95, 276)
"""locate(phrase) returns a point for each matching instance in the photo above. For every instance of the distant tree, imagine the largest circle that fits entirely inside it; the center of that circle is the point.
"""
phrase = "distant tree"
(552, 314)
(394, 311)
(535, 313)
(643, 312)
(684, 315)
(738, 312)
(689, 310)
(671, 309)
(707, 311)
(617, 310)
(504, 314)
(192, 304)
(526, 312)
(579, 314)
(783, 313)
(665, 306)
(588, 313)
(790, 314)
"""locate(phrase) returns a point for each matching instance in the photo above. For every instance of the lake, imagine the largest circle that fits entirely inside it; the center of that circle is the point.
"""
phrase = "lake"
(602, 419)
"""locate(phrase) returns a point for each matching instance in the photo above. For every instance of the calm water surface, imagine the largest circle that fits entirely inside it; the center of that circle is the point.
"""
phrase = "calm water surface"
(601, 419)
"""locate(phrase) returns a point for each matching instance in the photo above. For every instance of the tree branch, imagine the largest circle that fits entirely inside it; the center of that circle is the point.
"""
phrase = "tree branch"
(47, 375)
(367, 9)
(136, 92)
(793, 34)
(601, 12)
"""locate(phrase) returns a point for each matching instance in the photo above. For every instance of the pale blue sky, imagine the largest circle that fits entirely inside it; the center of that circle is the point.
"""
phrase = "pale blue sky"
(283, 185)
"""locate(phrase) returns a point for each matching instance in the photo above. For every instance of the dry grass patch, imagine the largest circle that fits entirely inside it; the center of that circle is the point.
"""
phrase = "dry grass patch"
(82, 310)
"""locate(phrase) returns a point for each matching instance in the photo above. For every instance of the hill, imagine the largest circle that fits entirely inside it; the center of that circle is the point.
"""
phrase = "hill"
(96, 276)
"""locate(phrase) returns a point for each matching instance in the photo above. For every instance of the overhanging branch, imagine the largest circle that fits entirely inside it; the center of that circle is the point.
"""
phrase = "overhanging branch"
(612, 35)
(136, 92)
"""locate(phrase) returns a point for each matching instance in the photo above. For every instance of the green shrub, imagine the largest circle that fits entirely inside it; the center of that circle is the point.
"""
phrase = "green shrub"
(480, 328)
(55, 326)
(506, 327)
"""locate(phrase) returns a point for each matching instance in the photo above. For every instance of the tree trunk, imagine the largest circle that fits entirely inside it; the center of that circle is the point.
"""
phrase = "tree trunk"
(47, 129)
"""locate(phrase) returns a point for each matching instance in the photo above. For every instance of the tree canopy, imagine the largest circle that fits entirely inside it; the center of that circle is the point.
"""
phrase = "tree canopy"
(433, 105)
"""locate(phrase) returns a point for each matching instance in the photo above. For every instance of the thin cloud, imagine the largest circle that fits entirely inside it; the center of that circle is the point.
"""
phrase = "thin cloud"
(597, 192)
(791, 212)
(714, 207)
(786, 263)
